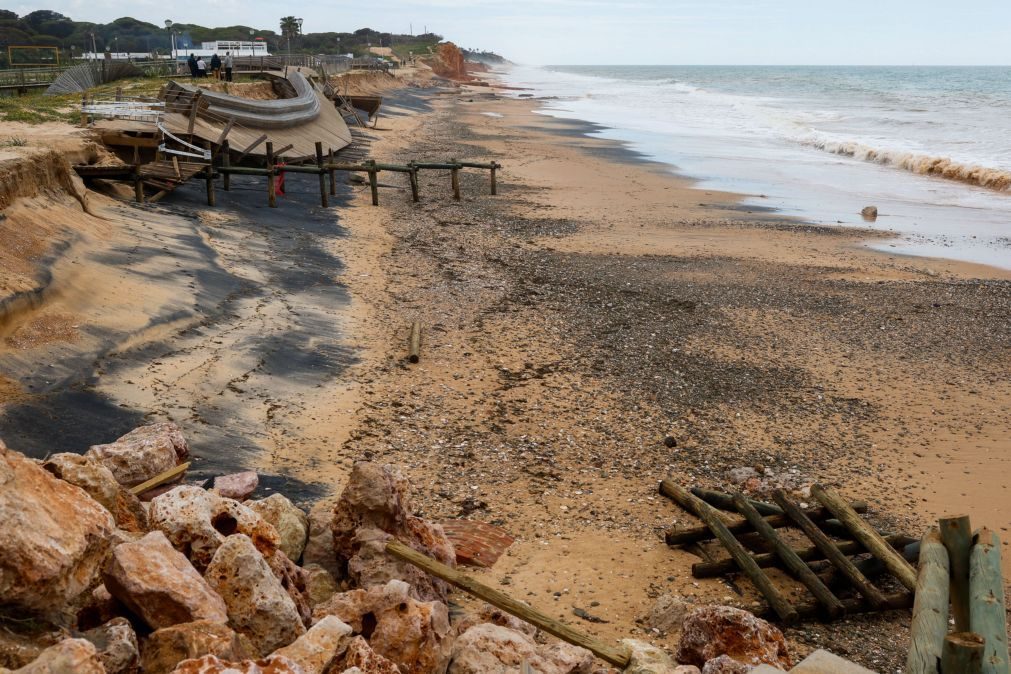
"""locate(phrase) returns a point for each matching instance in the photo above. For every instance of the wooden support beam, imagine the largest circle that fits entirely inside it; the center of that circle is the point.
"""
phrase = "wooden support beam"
(956, 534)
(494, 185)
(224, 133)
(333, 176)
(454, 178)
(414, 343)
(867, 536)
(962, 654)
(413, 177)
(930, 609)
(209, 178)
(794, 564)
(138, 190)
(194, 108)
(161, 478)
(252, 146)
(278, 153)
(812, 609)
(226, 178)
(323, 194)
(830, 549)
(779, 603)
(373, 181)
(615, 656)
(986, 601)
(726, 501)
(271, 193)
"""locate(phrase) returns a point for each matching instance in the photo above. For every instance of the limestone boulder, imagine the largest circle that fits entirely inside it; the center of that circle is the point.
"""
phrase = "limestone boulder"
(414, 635)
(319, 584)
(116, 644)
(142, 453)
(70, 656)
(53, 538)
(711, 631)
(164, 649)
(486, 613)
(667, 614)
(198, 521)
(237, 486)
(319, 548)
(291, 523)
(21, 643)
(376, 504)
(360, 656)
(645, 658)
(101, 485)
(212, 664)
(258, 605)
(319, 648)
(157, 583)
(293, 579)
(492, 649)
(725, 665)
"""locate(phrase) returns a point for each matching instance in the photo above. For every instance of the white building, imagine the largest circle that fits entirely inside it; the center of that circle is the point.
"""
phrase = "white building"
(220, 47)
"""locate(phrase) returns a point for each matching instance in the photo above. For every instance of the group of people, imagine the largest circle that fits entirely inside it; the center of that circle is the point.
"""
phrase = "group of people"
(198, 67)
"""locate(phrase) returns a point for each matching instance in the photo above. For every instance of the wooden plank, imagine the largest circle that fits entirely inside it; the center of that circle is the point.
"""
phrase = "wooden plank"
(712, 518)
(610, 654)
(868, 537)
(323, 195)
(110, 137)
(454, 179)
(930, 609)
(252, 146)
(956, 534)
(726, 501)
(962, 654)
(224, 132)
(793, 563)
(987, 616)
(828, 548)
(194, 108)
(283, 149)
(414, 343)
(373, 182)
(812, 609)
(161, 478)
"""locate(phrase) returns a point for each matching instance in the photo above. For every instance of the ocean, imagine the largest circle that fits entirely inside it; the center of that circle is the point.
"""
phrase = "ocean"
(929, 146)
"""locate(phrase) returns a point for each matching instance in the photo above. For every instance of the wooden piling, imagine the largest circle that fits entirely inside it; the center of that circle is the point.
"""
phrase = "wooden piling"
(962, 654)
(414, 344)
(930, 608)
(373, 181)
(209, 177)
(414, 182)
(794, 564)
(333, 176)
(494, 186)
(226, 178)
(323, 194)
(956, 535)
(615, 656)
(712, 518)
(830, 549)
(455, 178)
(271, 188)
(986, 601)
(871, 539)
(138, 189)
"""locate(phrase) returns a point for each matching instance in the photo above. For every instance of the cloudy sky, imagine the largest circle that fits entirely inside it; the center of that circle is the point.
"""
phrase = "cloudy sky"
(633, 31)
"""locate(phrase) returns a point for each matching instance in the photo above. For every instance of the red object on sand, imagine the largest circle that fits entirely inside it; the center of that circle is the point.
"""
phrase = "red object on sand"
(279, 182)
(476, 543)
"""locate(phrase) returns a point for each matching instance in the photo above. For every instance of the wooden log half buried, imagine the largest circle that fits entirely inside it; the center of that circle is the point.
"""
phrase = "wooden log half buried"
(962, 653)
(956, 534)
(414, 345)
(987, 615)
(615, 656)
(930, 609)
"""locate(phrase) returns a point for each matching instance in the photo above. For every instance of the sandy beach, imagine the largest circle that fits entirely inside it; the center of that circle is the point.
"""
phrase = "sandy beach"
(598, 305)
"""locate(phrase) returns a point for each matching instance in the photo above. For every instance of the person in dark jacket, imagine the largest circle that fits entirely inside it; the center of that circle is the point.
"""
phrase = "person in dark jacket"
(192, 63)
(216, 66)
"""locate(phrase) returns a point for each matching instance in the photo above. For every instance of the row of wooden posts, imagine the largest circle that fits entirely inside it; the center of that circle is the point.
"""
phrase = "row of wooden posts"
(325, 167)
(961, 570)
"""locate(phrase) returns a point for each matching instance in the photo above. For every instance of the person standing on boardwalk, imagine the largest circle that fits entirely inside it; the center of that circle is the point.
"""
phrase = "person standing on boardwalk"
(216, 66)
(192, 63)
(228, 66)
(201, 67)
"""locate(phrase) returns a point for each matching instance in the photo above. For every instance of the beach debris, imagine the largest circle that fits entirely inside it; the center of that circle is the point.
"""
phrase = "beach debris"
(101, 485)
(316, 650)
(586, 615)
(476, 543)
(257, 603)
(645, 658)
(198, 521)
(711, 631)
(416, 635)
(237, 486)
(70, 656)
(291, 523)
(498, 650)
(159, 585)
(116, 644)
(143, 453)
(374, 509)
(54, 537)
(870, 213)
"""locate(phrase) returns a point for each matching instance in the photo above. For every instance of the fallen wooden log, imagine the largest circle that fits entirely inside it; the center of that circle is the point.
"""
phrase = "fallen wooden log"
(930, 609)
(986, 601)
(614, 656)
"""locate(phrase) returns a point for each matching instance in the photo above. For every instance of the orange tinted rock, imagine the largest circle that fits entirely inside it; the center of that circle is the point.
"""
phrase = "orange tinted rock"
(415, 635)
(359, 654)
(725, 665)
(711, 631)
(491, 649)
(142, 453)
(53, 537)
(211, 664)
(291, 523)
(70, 656)
(320, 647)
(116, 644)
(101, 485)
(164, 649)
(158, 584)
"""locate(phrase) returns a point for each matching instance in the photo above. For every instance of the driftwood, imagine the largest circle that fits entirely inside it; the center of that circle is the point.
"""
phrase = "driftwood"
(160, 479)
(503, 601)
(414, 345)
(930, 610)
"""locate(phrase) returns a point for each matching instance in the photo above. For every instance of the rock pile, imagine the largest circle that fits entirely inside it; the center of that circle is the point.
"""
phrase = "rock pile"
(196, 580)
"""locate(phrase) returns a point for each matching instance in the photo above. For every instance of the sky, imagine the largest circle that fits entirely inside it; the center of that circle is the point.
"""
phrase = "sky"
(811, 32)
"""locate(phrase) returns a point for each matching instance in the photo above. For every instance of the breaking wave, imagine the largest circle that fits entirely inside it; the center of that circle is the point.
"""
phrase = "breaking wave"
(941, 167)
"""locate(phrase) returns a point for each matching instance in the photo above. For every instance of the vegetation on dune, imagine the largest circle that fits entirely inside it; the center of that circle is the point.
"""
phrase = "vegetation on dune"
(36, 108)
